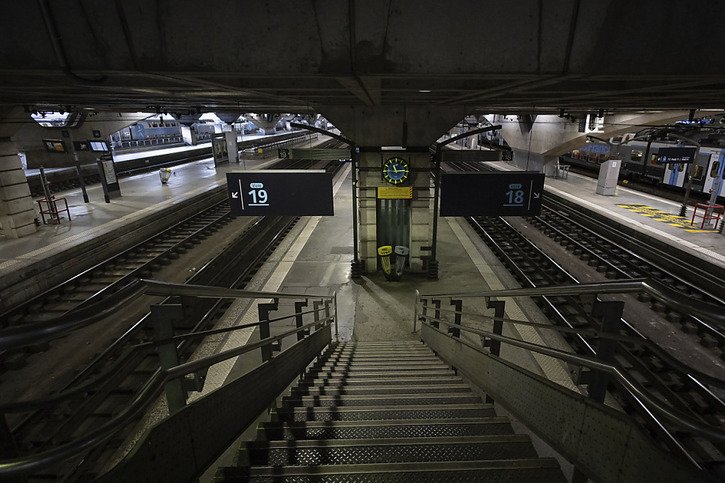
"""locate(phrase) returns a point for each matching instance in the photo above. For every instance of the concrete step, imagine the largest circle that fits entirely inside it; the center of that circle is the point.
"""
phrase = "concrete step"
(392, 366)
(376, 451)
(410, 412)
(382, 374)
(338, 380)
(398, 428)
(382, 399)
(532, 470)
(390, 389)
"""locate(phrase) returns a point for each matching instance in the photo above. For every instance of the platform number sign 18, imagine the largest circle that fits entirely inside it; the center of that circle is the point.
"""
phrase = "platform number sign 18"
(515, 196)
(258, 195)
(491, 194)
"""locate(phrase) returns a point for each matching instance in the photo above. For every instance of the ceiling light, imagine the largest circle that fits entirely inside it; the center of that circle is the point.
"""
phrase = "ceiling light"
(424, 91)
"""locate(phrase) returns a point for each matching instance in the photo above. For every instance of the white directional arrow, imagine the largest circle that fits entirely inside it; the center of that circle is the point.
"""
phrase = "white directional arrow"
(235, 195)
(536, 195)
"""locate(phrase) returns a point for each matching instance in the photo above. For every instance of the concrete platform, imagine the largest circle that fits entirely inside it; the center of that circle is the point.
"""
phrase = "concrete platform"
(648, 214)
(141, 196)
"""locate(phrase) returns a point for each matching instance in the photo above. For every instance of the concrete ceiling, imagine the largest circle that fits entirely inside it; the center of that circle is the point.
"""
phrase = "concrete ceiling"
(487, 56)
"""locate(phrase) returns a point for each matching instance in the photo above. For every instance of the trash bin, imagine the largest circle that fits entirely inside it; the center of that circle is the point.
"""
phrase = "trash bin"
(401, 257)
(164, 174)
(385, 252)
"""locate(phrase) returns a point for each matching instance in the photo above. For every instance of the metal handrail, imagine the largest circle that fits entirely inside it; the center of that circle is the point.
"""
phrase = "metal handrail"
(672, 415)
(594, 333)
(154, 386)
(29, 334)
(31, 404)
(146, 396)
(657, 290)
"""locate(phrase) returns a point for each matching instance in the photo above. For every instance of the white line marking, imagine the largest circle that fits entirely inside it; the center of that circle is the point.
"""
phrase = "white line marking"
(241, 194)
(553, 370)
(641, 226)
(218, 373)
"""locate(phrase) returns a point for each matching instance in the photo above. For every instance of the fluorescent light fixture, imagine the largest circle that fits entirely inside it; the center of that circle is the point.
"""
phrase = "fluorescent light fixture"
(424, 91)
(392, 148)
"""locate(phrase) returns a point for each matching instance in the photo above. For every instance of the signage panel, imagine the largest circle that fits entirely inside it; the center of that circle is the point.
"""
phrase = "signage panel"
(219, 149)
(281, 192)
(491, 194)
(395, 192)
(675, 155)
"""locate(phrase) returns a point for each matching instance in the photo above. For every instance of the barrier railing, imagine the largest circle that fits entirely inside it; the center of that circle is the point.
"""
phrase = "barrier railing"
(235, 405)
(537, 400)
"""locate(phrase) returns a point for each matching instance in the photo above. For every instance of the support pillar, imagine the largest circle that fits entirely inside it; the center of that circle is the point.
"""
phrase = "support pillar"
(17, 210)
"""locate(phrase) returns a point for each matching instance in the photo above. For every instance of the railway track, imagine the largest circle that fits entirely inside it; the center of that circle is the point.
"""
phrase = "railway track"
(117, 373)
(662, 375)
(688, 390)
(614, 261)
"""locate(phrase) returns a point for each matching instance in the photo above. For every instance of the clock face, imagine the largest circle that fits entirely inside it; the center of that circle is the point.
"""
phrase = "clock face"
(396, 170)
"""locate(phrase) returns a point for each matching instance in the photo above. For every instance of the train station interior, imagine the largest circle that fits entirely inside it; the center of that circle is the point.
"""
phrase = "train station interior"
(380, 241)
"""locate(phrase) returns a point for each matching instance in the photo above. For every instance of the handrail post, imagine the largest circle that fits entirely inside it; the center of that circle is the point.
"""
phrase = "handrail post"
(437, 313)
(264, 333)
(298, 319)
(494, 346)
(458, 306)
(610, 313)
(498, 307)
(316, 312)
(415, 310)
(162, 323)
(337, 330)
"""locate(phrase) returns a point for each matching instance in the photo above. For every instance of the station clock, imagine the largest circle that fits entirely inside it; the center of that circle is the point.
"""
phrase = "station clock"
(396, 170)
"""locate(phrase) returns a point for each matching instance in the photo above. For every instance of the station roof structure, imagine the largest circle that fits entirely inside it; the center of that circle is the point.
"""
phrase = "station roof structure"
(527, 56)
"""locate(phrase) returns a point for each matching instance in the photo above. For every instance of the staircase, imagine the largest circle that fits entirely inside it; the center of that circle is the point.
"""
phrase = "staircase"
(387, 412)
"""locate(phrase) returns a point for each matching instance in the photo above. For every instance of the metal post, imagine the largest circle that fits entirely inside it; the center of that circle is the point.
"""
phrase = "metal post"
(162, 323)
(433, 262)
(264, 333)
(498, 307)
(610, 314)
(437, 313)
(316, 312)
(298, 319)
(415, 310)
(458, 306)
(356, 271)
(337, 331)
(494, 346)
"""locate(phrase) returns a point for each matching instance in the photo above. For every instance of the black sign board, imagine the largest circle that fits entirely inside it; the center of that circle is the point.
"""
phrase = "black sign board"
(219, 149)
(109, 180)
(491, 194)
(280, 192)
(675, 155)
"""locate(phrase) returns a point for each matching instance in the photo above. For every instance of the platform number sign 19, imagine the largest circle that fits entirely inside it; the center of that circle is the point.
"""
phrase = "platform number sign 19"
(257, 195)
(280, 192)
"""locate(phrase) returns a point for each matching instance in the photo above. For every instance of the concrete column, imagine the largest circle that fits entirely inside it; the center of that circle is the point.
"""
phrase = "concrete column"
(17, 209)
(421, 230)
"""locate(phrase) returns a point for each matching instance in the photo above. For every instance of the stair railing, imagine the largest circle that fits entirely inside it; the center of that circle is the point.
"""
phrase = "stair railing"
(481, 361)
(199, 431)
